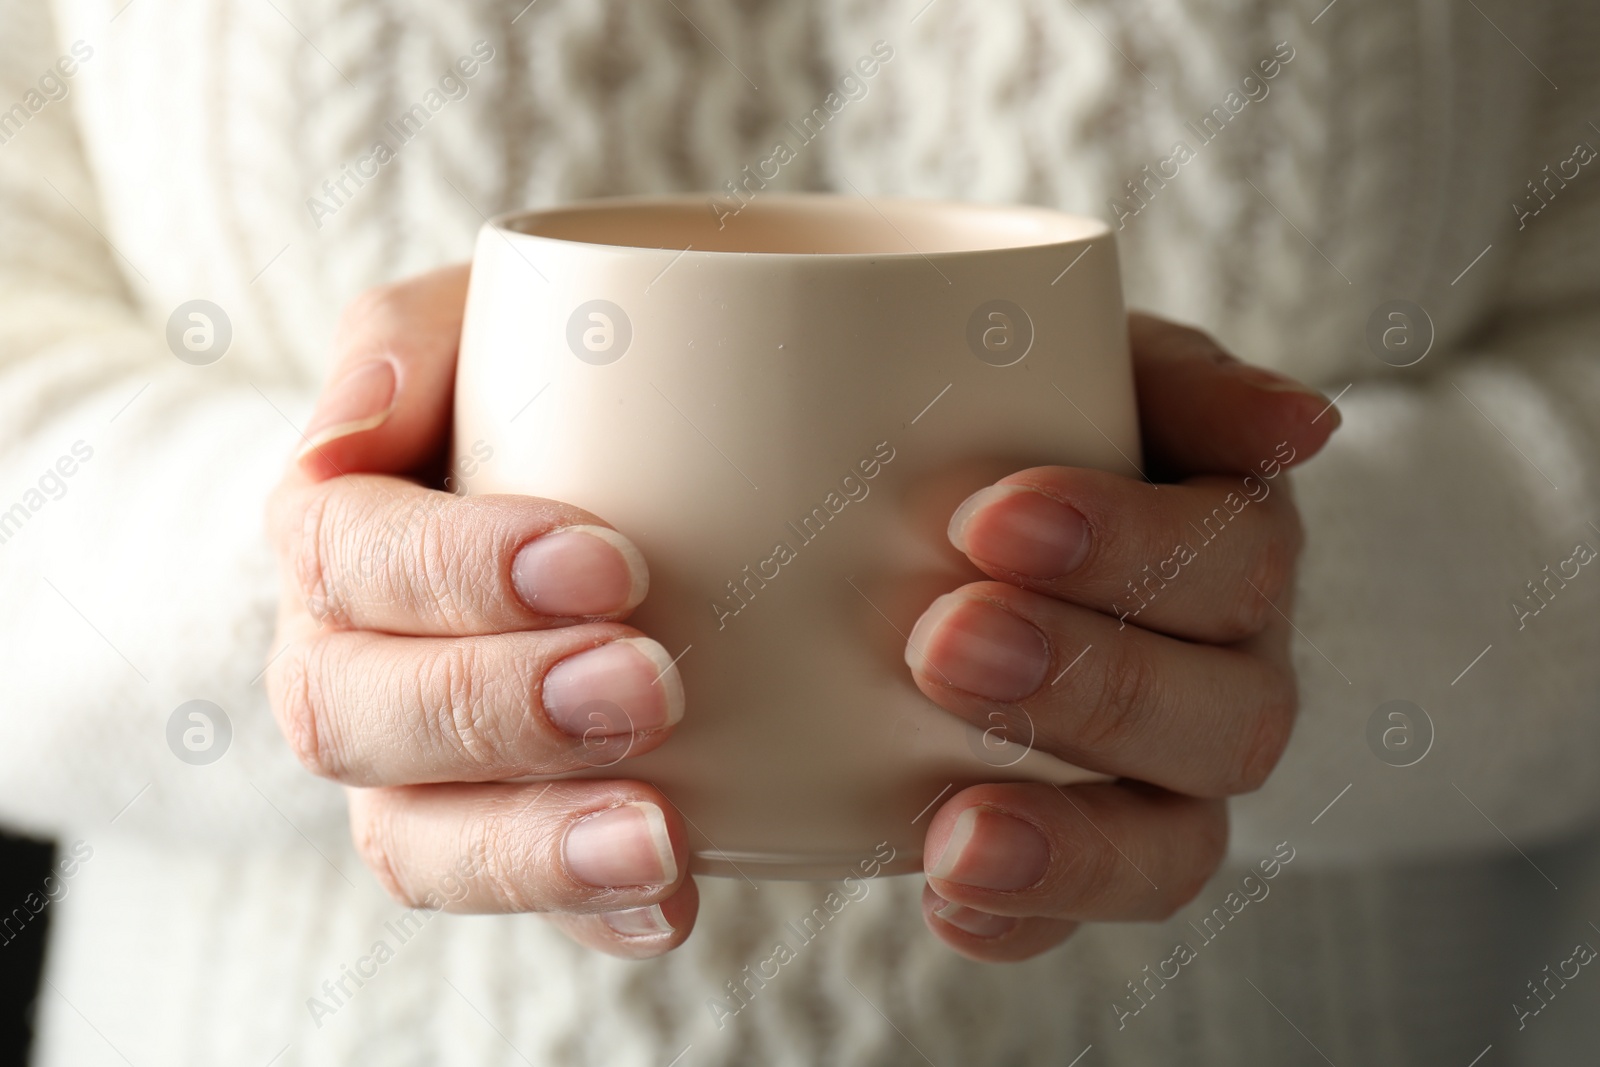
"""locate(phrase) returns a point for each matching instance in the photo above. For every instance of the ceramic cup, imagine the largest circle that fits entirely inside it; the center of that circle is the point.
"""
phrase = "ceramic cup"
(782, 409)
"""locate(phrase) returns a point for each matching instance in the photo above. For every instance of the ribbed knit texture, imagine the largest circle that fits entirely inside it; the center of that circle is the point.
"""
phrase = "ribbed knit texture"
(1383, 161)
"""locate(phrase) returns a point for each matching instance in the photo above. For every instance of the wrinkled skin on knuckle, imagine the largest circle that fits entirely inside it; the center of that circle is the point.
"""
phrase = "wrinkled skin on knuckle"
(1273, 568)
(313, 555)
(372, 832)
(1245, 612)
(1253, 602)
(443, 562)
(1264, 577)
(508, 852)
(298, 706)
(1129, 685)
(461, 714)
(440, 563)
(1083, 875)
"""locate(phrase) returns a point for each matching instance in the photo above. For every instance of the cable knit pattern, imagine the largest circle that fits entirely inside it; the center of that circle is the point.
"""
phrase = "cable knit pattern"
(188, 162)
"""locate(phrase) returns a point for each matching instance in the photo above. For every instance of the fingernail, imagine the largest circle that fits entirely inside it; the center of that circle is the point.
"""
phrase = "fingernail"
(625, 845)
(973, 645)
(362, 400)
(1017, 528)
(975, 922)
(991, 850)
(639, 922)
(629, 684)
(580, 570)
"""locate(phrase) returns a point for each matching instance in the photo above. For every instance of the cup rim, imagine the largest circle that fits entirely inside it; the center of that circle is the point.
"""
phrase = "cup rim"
(1071, 229)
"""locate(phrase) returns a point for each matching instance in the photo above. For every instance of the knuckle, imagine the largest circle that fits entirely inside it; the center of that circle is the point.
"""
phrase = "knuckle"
(1248, 608)
(1269, 577)
(1210, 845)
(1246, 614)
(372, 832)
(438, 566)
(1275, 561)
(1090, 876)
(509, 856)
(463, 722)
(1129, 686)
(312, 554)
(393, 543)
(301, 717)
(1268, 735)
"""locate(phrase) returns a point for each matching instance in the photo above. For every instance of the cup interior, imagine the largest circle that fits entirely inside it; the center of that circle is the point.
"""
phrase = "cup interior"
(806, 225)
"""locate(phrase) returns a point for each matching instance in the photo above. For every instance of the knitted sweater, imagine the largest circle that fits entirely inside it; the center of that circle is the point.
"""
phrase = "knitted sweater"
(163, 151)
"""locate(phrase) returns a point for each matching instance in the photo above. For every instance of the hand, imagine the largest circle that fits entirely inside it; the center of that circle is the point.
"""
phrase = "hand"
(1132, 630)
(438, 645)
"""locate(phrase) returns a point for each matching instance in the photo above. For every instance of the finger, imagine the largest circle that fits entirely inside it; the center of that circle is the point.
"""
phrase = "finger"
(989, 938)
(1109, 852)
(1201, 411)
(376, 552)
(1198, 719)
(386, 406)
(589, 846)
(636, 933)
(1203, 560)
(371, 709)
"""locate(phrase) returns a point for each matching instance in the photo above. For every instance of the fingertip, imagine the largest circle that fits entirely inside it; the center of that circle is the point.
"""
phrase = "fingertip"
(982, 925)
(359, 400)
(1335, 418)
(1205, 412)
(386, 407)
(987, 938)
(366, 446)
(402, 440)
(638, 933)
(1278, 423)
(317, 462)
(1305, 423)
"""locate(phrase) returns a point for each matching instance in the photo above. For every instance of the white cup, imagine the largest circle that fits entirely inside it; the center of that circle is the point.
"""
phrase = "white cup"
(782, 412)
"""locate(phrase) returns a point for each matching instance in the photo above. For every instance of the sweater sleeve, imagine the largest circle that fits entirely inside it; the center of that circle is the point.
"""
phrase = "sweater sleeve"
(133, 566)
(1454, 520)
(1451, 563)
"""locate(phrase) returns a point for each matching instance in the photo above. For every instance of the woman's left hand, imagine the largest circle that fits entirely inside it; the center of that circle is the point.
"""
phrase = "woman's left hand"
(1134, 630)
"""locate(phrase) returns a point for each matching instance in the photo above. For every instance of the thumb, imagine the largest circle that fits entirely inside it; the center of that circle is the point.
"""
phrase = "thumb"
(386, 406)
(1202, 411)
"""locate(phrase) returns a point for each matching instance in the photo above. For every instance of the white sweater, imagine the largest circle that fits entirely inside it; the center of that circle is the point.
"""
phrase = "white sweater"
(1387, 159)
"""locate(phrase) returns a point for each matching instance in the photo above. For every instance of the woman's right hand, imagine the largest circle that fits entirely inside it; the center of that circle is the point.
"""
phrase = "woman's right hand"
(438, 646)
